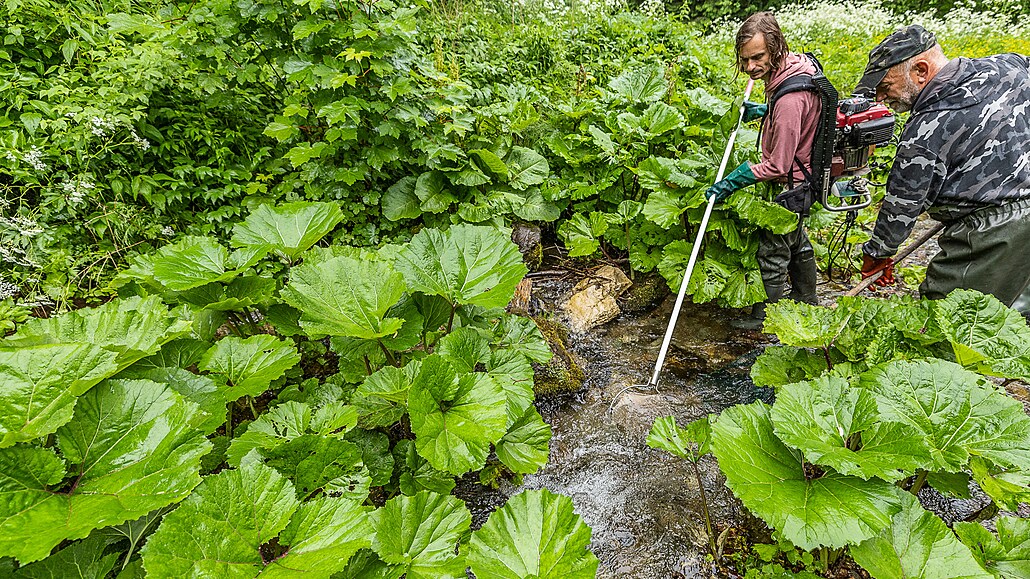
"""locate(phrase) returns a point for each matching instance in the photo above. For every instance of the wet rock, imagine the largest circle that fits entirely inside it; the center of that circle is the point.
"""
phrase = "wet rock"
(562, 374)
(593, 300)
(645, 293)
(527, 236)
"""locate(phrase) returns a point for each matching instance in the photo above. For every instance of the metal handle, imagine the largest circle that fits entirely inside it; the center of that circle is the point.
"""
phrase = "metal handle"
(697, 246)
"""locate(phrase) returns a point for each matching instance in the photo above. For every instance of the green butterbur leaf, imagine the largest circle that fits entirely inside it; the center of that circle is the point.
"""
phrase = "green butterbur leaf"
(959, 413)
(400, 201)
(39, 386)
(288, 421)
(209, 396)
(524, 448)
(514, 374)
(466, 264)
(536, 534)
(985, 334)
(248, 510)
(194, 261)
(132, 328)
(1007, 555)
(418, 475)
(839, 426)
(345, 296)
(831, 510)
(81, 560)
(455, 420)
(430, 188)
(917, 544)
(805, 326)
(667, 435)
(489, 163)
(465, 348)
(289, 229)
(660, 118)
(526, 167)
(321, 463)
(640, 84)
(134, 451)
(420, 534)
(764, 214)
(250, 365)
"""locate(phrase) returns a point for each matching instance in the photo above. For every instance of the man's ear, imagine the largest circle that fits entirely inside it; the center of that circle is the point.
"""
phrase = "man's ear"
(920, 71)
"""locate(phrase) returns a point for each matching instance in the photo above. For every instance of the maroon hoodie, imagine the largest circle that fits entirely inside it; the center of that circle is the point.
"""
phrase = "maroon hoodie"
(791, 130)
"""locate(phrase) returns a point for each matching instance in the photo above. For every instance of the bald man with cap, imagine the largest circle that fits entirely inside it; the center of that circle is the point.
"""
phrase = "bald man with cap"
(963, 157)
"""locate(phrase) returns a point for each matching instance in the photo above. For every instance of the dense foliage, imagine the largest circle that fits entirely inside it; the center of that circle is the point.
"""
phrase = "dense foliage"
(875, 398)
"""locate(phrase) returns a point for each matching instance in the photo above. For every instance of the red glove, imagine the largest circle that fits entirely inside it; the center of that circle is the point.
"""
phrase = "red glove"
(871, 265)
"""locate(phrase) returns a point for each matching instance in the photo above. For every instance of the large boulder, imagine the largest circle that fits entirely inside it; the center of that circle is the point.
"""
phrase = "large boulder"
(593, 300)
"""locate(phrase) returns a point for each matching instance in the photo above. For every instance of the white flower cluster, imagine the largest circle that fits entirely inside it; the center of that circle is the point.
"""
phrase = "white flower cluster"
(15, 255)
(101, 127)
(77, 190)
(35, 158)
(24, 226)
(7, 289)
(653, 8)
(140, 141)
(533, 9)
(167, 231)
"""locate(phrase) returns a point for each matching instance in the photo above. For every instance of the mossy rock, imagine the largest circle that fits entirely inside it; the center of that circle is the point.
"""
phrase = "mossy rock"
(562, 375)
(647, 291)
(529, 240)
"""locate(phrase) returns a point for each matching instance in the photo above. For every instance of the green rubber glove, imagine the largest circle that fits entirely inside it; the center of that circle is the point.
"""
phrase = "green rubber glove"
(740, 177)
(754, 111)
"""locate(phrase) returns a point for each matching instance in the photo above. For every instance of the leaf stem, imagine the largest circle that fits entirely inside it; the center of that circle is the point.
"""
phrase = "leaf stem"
(824, 559)
(228, 424)
(450, 321)
(919, 482)
(704, 507)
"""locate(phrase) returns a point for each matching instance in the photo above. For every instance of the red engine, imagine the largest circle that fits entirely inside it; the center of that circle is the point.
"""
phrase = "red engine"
(861, 125)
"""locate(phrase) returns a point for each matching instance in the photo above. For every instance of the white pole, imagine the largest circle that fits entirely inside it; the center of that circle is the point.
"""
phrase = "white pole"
(697, 247)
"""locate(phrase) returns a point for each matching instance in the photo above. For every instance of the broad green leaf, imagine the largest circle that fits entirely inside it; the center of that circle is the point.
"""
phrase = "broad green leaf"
(701, 99)
(417, 474)
(321, 463)
(249, 365)
(708, 280)
(466, 264)
(667, 435)
(382, 398)
(455, 420)
(664, 209)
(674, 262)
(194, 261)
(660, 118)
(209, 395)
(582, 234)
(959, 412)
(243, 511)
(666, 175)
(535, 534)
(243, 292)
(400, 201)
(280, 424)
(985, 334)
(1006, 488)
(536, 208)
(526, 167)
(522, 335)
(838, 426)
(805, 326)
(375, 454)
(1007, 556)
(917, 545)
(640, 84)
(420, 534)
(81, 560)
(524, 448)
(430, 188)
(764, 214)
(132, 328)
(132, 450)
(489, 163)
(39, 386)
(513, 372)
(465, 348)
(743, 288)
(356, 308)
(831, 510)
(365, 564)
(289, 228)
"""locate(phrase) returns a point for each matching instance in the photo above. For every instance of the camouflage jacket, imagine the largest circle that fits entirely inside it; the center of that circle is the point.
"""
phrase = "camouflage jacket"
(965, 146)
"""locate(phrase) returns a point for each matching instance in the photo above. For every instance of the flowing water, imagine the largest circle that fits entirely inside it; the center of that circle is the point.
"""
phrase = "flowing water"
(643, 504)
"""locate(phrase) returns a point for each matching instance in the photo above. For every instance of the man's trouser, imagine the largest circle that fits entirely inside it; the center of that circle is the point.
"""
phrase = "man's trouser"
(989, 251)
(787, 256)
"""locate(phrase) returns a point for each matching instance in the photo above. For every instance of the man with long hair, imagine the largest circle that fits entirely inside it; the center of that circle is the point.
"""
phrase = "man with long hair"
(788, 132)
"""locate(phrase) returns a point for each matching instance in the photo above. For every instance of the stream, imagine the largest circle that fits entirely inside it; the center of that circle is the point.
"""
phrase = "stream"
(643, 504)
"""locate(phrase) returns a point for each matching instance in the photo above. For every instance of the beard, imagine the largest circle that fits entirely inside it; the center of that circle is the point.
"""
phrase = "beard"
(906, 99)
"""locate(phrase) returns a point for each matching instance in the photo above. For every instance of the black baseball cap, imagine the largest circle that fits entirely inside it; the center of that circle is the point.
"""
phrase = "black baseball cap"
(900, 46)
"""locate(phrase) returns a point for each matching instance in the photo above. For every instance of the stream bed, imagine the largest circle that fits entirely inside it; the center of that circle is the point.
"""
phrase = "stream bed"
(643, 504)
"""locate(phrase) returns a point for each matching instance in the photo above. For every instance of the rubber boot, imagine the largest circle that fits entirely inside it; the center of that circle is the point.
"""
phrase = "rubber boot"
(802, 272)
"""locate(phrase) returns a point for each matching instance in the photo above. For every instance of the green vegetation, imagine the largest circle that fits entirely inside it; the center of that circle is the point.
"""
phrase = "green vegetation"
(290, 224)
